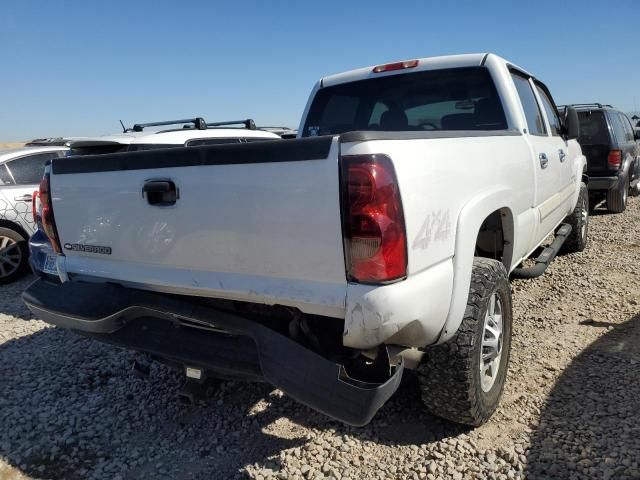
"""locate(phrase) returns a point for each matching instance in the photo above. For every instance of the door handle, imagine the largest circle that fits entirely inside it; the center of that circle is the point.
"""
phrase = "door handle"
(161, 193)
(23, 198)
(159, 186)
(562, 155)
(544, 161)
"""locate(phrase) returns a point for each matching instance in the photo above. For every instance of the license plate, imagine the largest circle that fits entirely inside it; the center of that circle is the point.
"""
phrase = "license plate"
(50, 264)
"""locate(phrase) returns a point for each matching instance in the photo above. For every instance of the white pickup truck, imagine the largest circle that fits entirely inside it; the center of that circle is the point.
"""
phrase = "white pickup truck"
(382, 238)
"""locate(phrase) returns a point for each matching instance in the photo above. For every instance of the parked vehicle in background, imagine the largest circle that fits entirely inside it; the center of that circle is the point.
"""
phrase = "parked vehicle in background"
(283, 132)
(21, 170)
(192, 132)
(609, 142)
(51, 142)
(382, 238)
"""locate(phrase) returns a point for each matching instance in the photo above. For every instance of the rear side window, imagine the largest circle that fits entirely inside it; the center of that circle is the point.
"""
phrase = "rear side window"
(529, 104)
(29, 170)
(5, 177)
(448, 99)
(593, 128)
(626, 125)
(618, 127)
(550, 110)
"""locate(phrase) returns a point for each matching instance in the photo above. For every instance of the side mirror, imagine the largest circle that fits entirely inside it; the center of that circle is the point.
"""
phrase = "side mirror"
(571, 123)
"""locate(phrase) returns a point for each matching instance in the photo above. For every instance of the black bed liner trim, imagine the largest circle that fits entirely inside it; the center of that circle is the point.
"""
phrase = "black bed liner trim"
(364, 136)
(315, 148)
(293, 150)
(306, 376)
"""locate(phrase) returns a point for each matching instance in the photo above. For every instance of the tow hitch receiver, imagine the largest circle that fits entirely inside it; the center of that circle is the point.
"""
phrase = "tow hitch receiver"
(197, 386)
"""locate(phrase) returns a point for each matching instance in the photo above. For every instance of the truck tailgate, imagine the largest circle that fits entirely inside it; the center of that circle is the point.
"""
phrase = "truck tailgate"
(256, 222)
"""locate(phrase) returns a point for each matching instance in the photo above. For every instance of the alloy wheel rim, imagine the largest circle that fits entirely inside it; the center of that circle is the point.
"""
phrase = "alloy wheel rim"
(10, 256)
(585, 219)
(492, 341)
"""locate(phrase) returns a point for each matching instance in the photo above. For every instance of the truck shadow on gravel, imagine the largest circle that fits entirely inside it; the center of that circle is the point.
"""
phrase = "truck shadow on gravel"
(590, 424)
(71, 408)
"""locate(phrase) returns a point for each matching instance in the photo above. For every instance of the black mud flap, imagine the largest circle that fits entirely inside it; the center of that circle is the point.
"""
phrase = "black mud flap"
(106, 311)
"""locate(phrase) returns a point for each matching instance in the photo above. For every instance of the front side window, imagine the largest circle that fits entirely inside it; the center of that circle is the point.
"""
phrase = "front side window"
(29, 170)
(447, 99)
(529, 104)
(550, 110)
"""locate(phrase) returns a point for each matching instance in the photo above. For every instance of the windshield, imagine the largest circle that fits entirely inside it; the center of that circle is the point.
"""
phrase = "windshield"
(450, 99)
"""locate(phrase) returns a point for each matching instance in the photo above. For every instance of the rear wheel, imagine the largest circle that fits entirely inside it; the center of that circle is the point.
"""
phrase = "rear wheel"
(579, 221)
(617, 197)
(13, 255)
(462, 380)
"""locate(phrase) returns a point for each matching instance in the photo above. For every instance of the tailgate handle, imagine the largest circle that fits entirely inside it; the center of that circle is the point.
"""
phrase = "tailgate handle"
(161, 193)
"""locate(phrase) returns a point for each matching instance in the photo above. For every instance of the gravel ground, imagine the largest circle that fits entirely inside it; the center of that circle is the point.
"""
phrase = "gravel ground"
(70, 407)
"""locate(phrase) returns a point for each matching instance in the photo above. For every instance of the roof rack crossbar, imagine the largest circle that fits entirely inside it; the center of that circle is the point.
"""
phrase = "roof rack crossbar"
(249, 124)
(198, 123)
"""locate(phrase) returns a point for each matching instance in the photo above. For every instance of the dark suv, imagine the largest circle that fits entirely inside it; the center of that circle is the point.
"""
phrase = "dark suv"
(613, 155)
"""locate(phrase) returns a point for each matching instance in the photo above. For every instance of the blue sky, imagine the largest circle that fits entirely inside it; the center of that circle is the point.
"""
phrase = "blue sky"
(76, 67)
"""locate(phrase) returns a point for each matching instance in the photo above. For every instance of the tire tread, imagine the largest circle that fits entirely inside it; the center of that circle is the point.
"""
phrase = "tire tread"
(446, 377)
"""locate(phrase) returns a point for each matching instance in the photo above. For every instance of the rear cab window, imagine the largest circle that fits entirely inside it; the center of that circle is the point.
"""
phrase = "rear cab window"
(446, 99)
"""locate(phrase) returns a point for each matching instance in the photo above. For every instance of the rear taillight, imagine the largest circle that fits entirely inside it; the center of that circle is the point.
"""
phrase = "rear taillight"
(373, 222)
(34, 207)
(48, 221)
(614, 160)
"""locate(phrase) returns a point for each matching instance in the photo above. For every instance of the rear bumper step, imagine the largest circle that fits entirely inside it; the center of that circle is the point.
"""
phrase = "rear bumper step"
(602, 183)
(146, 321)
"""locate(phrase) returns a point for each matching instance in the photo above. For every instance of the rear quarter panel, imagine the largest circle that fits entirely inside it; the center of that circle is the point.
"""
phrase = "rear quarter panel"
(448, 187)
(438, 177)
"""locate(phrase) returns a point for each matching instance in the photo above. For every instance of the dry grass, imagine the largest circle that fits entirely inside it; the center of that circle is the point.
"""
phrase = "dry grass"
(11, 145)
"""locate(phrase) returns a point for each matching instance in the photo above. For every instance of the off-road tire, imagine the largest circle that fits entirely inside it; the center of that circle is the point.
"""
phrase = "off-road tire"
(449, 374)
(617, 197)
(579, 221)
(21, 244)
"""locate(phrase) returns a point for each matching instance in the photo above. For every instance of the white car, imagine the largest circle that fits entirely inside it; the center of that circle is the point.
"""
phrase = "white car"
(21, 170)
(382, 238)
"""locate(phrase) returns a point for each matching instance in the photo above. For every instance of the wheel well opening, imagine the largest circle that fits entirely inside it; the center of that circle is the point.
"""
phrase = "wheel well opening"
(495, 238)
(14, 226)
